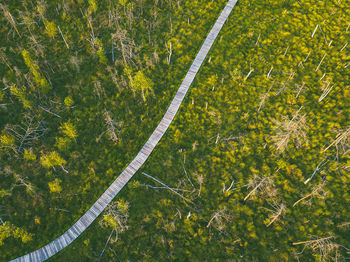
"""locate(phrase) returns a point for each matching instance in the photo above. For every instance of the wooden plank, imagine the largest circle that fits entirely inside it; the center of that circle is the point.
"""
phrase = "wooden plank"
(96, 209)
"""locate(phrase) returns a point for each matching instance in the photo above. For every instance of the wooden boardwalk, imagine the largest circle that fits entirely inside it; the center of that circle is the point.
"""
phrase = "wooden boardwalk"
(96, 209)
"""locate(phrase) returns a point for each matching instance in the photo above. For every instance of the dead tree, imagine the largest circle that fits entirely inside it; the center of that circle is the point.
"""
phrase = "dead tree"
(318, 168)
(324, 246)
(264, 97)
(112, 127)
(261, 185)
(317, 191)
(27, 132)
(116, 216)
(100, 92)
(169, 51)
(126, 45)
(9, 17)
(249, 73)
(300, 89)
(219, 219)
(174, 190)
(231, 187)
(277, 211)
(188, 178)
(59, 29)
(326, 91)
(200, 180)
(319, 65)
(4, 59)
(345, 224)
(342, 141)
(288, 129)
(22, 182)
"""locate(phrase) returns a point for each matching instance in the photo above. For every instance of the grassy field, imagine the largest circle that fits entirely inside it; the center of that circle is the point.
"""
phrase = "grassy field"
(260, 147)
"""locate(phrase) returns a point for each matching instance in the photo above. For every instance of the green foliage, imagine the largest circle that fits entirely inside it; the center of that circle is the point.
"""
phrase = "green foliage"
(55, 186)
(101, 52)
(51, 29)
(63, 143)
(28, 155)
(123, 2)
(68, 101)
(93, 5)
(9, 230)
(69, 130)
(4, 193)
(7, 140)
(142, 83)
(20, 94)
(34, 69)
(52, 159)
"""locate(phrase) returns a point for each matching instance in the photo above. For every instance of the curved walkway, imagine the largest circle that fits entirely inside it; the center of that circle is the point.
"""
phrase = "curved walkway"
(96, 209)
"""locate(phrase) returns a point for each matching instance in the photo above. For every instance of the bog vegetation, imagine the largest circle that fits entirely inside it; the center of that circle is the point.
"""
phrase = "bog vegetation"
(255, 166)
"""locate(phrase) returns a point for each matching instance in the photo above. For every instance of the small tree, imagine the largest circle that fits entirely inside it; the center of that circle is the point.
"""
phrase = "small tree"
(69, 130)
(101, 52)
(51, 29)
(34, 69)
(52, 159)
(68, 101)
(55, 186)
(20, 94)
(112, 127)
(142, 83)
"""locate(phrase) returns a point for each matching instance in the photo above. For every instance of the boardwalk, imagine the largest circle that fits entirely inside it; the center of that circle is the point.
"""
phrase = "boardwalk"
(96, 209)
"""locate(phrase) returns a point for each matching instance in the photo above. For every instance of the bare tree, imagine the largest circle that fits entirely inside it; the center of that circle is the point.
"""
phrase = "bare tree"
(277, 211)
(262, 185)
(169, 51)
(288, 129)
(28, 131)
(317, 191)
(9, 17)
(325, 247)
(342, 141)
(4, 59)
(112, 127)
(20, 181)
(326, 90)
(116, 216)
(126, 45)
(219, 219)
(174, 190)
(264, 97)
